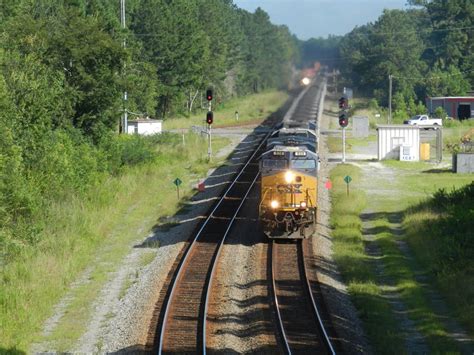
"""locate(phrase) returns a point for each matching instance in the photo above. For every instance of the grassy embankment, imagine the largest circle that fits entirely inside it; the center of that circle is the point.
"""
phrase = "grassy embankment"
(363, 282)
(252, 110)
(95, 231)
(364, 285)
(440, 230)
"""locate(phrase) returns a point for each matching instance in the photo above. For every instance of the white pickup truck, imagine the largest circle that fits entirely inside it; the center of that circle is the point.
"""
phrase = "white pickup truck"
(424, 120)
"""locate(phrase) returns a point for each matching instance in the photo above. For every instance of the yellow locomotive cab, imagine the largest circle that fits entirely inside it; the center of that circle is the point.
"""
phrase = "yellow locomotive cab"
(288, 202)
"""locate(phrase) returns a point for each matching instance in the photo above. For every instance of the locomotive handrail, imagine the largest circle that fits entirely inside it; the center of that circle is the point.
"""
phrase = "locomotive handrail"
(263, 197)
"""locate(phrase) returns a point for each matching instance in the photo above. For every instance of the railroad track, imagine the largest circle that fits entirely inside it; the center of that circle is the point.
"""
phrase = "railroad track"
(183, 327)
(299, 321)
(182, 317)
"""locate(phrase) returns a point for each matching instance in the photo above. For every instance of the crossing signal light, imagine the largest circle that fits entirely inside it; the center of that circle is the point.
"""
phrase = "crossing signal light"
(343, 120)
(210, 117)
(343, 103)
(209, 95)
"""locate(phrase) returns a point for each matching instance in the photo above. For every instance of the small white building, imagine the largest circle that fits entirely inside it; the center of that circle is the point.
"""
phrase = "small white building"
(398, 142)
(144, 126)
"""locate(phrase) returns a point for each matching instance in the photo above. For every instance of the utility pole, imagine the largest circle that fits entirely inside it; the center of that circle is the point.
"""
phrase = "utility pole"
(390, 76)
(124, 45)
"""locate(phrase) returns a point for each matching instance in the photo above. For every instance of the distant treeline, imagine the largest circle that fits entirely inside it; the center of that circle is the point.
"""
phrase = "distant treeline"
(428, 48)
(64, 68)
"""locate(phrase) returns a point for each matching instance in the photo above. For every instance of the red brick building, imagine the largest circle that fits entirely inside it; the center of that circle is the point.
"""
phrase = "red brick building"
(458, 107)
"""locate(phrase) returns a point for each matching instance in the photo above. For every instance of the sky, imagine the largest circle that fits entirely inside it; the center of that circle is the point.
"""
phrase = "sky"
(319, 18)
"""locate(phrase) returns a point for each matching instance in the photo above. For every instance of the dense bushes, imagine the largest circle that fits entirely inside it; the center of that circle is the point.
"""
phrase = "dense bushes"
(63, 69)
(440, 232)
(444, 225)
(454, 227)
(65, 164)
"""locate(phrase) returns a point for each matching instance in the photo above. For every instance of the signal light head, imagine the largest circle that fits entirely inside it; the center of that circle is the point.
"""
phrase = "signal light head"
(343, 103)
(343, 120)
(210, 117)
(209, 95)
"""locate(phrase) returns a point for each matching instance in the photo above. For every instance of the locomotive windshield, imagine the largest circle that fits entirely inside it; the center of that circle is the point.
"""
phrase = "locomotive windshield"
(274, 164)
(303, 164)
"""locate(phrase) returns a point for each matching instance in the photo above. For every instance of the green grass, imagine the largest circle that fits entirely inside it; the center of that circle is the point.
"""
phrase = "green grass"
(334, 143)
(95, 231)
(439, 230)
(421, 182)
(252, 110)
(349, 254)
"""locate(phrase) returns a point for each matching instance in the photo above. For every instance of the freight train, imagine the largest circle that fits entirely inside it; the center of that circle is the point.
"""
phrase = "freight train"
(289, 179)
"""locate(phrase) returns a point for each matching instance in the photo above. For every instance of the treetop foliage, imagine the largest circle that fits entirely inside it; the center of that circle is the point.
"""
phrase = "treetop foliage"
(63, 71)
(428, 49)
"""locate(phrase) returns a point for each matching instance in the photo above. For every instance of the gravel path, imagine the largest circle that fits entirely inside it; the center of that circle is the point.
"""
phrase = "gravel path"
(414, 341)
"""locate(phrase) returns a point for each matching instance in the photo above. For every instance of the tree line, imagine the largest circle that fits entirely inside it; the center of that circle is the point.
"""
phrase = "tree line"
(64, 68)
(428, 49)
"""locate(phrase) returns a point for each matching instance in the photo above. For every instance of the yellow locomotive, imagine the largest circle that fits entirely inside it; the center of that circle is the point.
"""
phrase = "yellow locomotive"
(289, 179)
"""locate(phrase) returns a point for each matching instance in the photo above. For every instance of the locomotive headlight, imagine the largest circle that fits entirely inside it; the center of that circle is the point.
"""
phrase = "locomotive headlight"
(303, 204)
(274, 204)
(289, 177)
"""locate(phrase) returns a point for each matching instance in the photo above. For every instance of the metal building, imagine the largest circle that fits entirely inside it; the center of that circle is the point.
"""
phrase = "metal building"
(409, 143)
(458, 107)
(144, 126)
(398, 142)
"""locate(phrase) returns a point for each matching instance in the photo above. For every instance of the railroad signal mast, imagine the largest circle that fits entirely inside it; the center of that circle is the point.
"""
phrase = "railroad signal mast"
(343, 122)
(209, 121)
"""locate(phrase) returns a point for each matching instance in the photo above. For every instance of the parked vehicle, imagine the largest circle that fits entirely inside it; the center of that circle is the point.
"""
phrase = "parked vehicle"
(424, 120)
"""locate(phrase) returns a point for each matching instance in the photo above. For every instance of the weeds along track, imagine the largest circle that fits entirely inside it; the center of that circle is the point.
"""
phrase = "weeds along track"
(183, 325)
(299, 320)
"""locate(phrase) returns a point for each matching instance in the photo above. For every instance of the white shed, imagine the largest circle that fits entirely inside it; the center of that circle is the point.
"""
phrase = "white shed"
(144, 126)
(398, 142)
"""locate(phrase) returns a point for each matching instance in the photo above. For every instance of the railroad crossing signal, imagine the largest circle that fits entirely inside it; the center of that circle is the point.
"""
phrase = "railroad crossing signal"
(209, 94)
(209, 117)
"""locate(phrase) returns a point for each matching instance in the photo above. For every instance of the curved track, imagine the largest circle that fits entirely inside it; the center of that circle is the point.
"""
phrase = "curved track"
(300, 324)
(182, 319)
(183, 329)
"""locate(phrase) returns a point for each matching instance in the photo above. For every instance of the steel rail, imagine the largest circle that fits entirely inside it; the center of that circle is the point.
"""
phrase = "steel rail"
(275, 300)
(309, 295)
(181, 265)
(327, 341)
(216, 258)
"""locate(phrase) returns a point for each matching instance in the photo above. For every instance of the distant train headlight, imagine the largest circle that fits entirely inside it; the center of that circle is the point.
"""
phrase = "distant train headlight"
(305, 81)
(303, 204)
(289, 177)
(274, 204)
